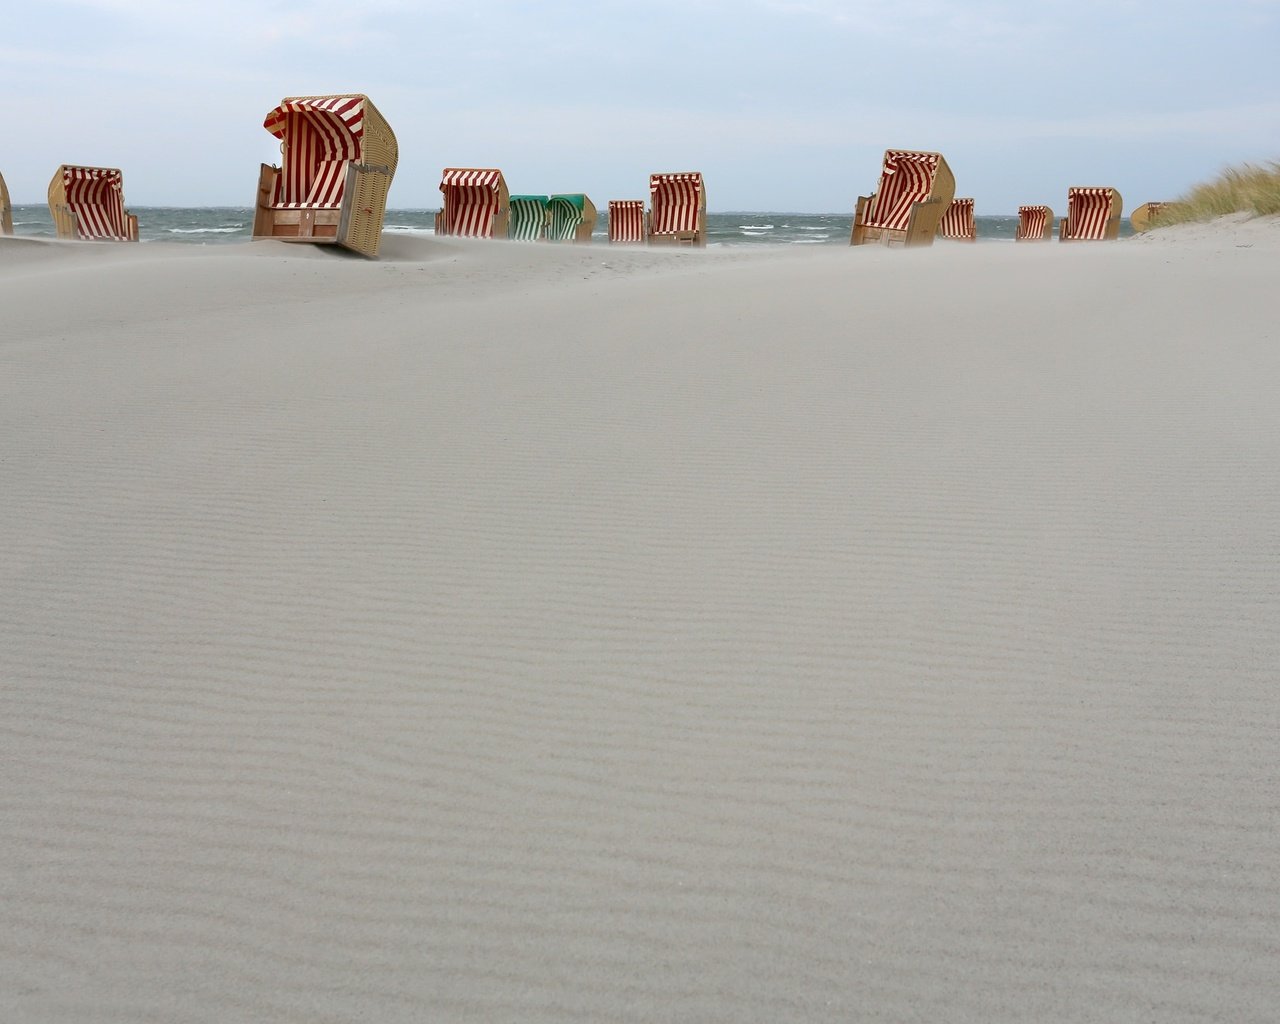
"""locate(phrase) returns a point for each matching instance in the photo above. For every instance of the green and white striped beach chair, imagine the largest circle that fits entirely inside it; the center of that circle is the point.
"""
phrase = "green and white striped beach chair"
(528, 218)
(571, 218)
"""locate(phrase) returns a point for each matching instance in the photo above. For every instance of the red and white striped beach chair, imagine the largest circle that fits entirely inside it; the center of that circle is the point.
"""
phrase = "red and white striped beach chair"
(626, 220)
(1035, 224)
(677, 209)
(957, 222)
(476, 203)
(6, 209)
(1093, 214)
(87, 203)
(338, 156)
(915, 190)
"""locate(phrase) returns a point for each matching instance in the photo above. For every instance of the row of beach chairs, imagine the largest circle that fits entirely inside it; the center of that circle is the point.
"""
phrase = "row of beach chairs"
(338, 156)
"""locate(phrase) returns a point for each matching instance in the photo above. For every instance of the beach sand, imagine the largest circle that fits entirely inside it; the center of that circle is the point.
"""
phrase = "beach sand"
(520, 633)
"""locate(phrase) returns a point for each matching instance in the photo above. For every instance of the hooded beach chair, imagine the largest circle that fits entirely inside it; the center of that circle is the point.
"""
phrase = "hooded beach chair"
(1035, 224)
(626, 220)
(87, 203)
(1144, 217)
(914, 192)
(571, 218)
(957, 222)
(476, 203)
(528, 218)
(677, 209)
(1093, 214)
(338, 156)
(6, 209)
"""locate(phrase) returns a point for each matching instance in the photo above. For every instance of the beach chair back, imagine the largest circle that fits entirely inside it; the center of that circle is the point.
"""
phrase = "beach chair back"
(958, 221)
(1145, 215)
(528, 218)
(318, 136)
(626, 220)
(571, 218)
(1035, 224)
(87, 203)
(476, 202)
(914, 191)
(6, 209)
(1093, 214)
(677, 208)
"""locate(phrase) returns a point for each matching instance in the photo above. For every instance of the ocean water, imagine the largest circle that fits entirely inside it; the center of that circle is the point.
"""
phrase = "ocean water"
(221, 225)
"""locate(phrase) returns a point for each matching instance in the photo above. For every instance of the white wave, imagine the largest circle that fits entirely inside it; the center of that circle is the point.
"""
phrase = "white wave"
(755, 227)
(203, 231)
(816, 240)
(406, 229)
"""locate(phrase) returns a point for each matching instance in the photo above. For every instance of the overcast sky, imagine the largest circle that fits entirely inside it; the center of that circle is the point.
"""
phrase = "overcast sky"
(784, 106)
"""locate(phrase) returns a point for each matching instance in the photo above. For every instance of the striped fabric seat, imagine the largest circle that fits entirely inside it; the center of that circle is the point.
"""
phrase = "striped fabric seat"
(674, 201)
(96, 196)
(567, 215)
(320, 138)
(1034, 223)
(906, 178)
(626, 220)
(472, 197)
(957, 222)
(1088, 212)
(528, 218)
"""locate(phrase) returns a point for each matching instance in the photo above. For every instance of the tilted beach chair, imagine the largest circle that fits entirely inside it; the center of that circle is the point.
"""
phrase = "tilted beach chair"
(338, 156)
(1145, 216)
(957, 222)
(476, 203)
(87, 203)
(677, 209)
(626, 220)
(6, 209)
(528, 218)
(1035, 224)
(572, 218)
(1093, 214)
(914, 192)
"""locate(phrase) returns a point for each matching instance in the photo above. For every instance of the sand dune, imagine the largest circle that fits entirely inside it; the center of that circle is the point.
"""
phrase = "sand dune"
(501, 632)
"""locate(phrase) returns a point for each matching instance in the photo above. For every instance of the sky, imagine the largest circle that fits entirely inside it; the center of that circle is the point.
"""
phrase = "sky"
(784, 106)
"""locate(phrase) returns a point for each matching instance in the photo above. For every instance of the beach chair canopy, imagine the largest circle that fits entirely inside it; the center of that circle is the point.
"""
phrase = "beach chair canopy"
(472, 196)
(626, 220)
(96, 196)
(320, 136)
(1034, 222)
(528, 218)
(1090, 212)
(957, 222)
(6, 209)
(907, 177)
(675, 201)
(568, 213)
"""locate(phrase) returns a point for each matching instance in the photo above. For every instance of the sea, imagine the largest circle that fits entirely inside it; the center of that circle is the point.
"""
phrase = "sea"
(224, 225)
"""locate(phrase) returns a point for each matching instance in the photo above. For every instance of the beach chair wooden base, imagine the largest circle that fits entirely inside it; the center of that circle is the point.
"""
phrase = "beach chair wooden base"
(355, 225)
(921, 229)
(686, 239)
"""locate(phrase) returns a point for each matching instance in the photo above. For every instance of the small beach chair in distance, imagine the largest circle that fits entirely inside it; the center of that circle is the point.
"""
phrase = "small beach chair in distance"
(571, 217)
(1145, 216)
(677, 209)
(338, 156)
(1093, 215)
(914, 192)
(528, 218)
(1035, 224)
(476, 203)
(627, 221)
(957, 223)
(87, 203)
(6, 209)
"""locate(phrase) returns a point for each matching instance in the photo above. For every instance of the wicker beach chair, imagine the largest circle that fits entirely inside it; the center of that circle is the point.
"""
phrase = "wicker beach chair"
(528, 218)
(677, 209)
(626, 221)
(1145, 216)
(6, 209)
(572, 218)
(1035, 224)
(87, 203)
(1093, 215)
(338, 156)
(957, 223)
(476, 203)
(915, 190)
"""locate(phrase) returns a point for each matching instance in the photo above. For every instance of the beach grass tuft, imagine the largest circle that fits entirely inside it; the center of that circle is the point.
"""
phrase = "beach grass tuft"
(1249, 188)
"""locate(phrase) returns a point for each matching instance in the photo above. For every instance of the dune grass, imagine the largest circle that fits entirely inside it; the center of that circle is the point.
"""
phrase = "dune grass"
(1248, 188)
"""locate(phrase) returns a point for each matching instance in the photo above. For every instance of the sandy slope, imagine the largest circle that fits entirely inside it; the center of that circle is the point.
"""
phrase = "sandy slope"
(518, 633)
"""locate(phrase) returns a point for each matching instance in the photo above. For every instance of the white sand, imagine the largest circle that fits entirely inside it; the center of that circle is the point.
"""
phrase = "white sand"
(511, 633)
